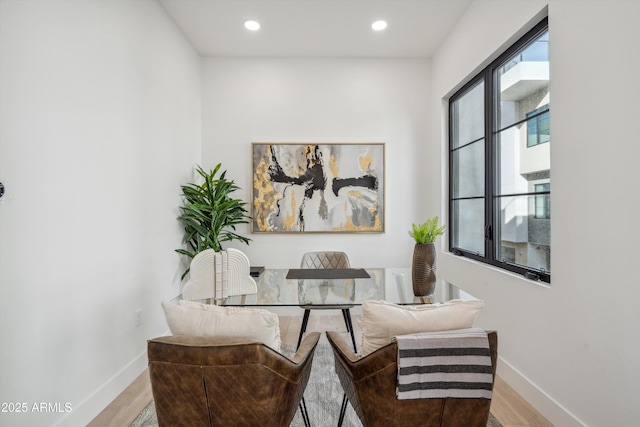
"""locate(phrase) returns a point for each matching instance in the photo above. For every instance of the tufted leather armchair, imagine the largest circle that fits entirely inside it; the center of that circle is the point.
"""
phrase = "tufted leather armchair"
(324, 260)
(370, 384)
(204, 381)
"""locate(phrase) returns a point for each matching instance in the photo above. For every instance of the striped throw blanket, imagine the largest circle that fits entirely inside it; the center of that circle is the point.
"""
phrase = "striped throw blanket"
(444, 364)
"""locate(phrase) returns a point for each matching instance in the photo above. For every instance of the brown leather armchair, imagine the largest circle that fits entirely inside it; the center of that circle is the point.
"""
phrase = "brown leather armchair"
(370, 384)
(204, 381)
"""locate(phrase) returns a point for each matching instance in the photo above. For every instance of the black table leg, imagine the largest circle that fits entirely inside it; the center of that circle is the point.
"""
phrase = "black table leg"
(347, 318)
(303, 328)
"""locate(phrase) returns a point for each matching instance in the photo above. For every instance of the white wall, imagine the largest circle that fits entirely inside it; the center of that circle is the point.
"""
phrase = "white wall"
(99, 125)
(571, 349)
(322, 100)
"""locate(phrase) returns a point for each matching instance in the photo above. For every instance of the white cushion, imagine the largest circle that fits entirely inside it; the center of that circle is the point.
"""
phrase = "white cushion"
(192, 318)
(381, 321)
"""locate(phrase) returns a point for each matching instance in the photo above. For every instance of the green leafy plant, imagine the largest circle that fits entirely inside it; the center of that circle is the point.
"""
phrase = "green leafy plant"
(427, 232)
(210, 215)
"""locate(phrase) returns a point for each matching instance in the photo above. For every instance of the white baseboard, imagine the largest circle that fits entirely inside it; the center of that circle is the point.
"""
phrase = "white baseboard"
(90, 407)
(555, 413)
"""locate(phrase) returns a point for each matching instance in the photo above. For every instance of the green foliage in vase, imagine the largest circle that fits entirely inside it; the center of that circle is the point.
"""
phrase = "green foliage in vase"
(427, 232)
(210, 215)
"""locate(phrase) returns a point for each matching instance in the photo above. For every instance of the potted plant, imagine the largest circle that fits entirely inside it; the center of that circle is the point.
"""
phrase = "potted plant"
(210, 215)
(423, 268)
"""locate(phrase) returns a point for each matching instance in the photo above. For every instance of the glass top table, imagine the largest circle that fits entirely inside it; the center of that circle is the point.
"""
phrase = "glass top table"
(390, 284)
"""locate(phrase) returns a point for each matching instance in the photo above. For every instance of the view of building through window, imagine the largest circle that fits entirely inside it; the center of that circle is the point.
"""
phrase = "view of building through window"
(500, 161)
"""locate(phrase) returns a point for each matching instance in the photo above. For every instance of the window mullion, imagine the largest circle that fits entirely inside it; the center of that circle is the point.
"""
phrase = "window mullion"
(489, 186)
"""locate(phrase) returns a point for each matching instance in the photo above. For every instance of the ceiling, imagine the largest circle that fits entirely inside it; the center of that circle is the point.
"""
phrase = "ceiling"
(316, 28)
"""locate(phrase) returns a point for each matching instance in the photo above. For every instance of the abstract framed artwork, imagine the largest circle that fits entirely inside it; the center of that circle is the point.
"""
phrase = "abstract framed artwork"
(318, 187)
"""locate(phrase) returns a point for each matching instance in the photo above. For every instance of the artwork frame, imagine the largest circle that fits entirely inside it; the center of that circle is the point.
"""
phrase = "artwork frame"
(318, 187)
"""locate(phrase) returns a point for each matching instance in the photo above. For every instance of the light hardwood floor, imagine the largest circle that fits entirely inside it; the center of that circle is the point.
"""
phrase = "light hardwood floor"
(507, 406)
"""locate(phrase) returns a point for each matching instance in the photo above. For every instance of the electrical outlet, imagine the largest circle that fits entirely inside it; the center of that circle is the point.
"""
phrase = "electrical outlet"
(138, 317)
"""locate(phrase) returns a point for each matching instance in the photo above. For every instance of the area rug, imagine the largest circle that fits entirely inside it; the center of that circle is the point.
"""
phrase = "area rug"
(323, 396)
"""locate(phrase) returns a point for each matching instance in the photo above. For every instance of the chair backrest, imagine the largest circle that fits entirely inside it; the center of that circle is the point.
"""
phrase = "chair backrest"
(370, 383)
(205, 381)
(325, 260)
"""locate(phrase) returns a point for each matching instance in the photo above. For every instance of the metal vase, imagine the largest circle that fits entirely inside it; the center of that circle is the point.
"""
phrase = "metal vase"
(423, 272)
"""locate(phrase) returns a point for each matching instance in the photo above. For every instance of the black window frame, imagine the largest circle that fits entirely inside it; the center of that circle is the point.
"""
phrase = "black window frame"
(491, 130)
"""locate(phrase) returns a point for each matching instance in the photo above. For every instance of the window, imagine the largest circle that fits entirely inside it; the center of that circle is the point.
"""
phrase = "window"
(542, 208)
(538, 126)
(499, 183)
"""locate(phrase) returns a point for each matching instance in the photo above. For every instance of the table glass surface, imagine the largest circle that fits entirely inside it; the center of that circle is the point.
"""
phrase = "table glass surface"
(390, 284)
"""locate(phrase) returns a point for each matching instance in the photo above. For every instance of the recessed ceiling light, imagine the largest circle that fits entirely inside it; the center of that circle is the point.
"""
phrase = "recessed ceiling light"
(252, 25)
(379, 25)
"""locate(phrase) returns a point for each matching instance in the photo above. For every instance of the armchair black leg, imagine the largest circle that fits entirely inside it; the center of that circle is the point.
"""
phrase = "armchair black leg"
(343, 410)
(304, 413)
